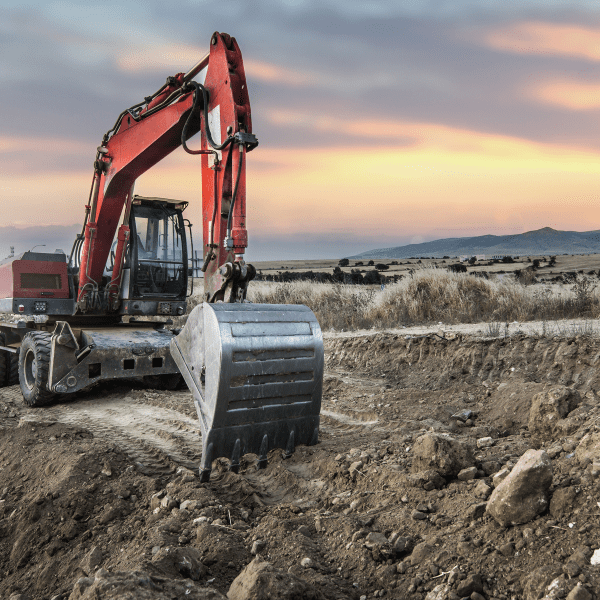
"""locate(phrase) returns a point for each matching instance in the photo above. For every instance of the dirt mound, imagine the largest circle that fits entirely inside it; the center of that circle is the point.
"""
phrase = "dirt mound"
(101, 490)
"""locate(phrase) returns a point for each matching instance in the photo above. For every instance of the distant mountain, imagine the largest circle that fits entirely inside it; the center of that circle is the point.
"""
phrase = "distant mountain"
(541, 241)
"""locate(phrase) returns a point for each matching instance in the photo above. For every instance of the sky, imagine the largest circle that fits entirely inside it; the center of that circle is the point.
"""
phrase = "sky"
(380, 123)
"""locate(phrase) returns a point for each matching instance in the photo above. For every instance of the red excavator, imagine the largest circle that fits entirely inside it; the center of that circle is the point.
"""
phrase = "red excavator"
(255, 370)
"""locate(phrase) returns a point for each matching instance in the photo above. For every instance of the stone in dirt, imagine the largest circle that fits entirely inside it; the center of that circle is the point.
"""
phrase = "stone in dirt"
(535, 583)
(135, 585)
(472, 583)
(523, 494)
(261, 580)
(482, 490)
(171, 561)
(441, 453)
(588, 449)
(562, 501)
(428, 480)
(91, 561)
(467, 474)
(549, 409)
(579, 593)
(439, 592)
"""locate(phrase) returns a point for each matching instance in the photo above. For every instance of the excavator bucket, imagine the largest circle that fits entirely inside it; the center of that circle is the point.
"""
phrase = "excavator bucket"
(256, 373)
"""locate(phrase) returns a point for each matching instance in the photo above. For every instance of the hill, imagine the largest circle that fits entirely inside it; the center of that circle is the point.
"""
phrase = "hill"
(538, 242)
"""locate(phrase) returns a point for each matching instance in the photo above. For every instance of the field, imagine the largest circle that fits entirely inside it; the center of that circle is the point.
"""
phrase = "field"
(99, 495)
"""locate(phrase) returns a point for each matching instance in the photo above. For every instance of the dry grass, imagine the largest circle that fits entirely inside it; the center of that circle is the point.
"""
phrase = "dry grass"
(430, 296)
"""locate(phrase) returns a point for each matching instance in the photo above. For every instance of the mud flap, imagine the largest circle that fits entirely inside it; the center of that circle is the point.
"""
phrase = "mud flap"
(256, 373)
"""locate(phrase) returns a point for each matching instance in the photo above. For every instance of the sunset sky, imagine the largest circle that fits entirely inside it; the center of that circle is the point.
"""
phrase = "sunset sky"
(380, 123)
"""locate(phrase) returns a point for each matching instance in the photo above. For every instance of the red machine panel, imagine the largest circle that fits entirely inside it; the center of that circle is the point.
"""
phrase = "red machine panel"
(34, 279)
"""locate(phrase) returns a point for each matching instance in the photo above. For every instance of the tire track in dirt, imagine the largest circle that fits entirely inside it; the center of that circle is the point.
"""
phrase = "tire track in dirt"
(153, 437)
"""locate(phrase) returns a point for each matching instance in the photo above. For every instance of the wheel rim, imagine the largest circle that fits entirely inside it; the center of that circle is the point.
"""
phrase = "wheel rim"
(30, 370)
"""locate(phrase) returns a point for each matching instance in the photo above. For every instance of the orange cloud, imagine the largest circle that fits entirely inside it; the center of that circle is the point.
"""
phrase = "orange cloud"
(448, 177)
(536, 37)
(569, 94)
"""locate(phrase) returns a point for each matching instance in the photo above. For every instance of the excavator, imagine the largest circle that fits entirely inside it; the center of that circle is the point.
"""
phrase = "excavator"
(106, 311)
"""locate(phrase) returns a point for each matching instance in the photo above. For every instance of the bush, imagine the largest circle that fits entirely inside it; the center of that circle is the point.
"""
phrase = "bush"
(344, 262)
(370, 263)
(381, 266)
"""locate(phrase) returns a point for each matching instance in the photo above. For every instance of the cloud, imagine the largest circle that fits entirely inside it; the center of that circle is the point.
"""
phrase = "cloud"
(551, 39)
(574, 95)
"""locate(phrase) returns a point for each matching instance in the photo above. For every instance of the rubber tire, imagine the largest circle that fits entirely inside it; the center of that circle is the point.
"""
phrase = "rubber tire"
(34, 363)
(12, 369)
(3, 362)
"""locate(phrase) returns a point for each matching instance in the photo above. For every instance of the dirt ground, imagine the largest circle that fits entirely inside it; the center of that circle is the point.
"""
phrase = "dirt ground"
(106, 482)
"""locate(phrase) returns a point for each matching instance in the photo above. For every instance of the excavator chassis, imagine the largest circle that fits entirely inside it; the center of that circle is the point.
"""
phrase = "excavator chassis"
(256, 373)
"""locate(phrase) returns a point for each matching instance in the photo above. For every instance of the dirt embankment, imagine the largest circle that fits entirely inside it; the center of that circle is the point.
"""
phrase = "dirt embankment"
(103, 484)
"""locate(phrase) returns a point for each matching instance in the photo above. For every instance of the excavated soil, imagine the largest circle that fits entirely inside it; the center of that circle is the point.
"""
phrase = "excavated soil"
(98, 481)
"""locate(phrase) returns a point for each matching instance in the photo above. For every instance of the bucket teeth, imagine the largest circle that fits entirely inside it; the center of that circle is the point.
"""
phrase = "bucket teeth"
(263, 378)
(262, 454)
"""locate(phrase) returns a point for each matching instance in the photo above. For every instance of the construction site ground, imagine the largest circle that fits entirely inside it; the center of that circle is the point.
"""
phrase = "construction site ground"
(97, 483)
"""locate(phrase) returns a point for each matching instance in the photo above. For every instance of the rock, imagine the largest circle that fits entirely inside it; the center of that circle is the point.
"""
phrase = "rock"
(482, 490)
(579, 593)
(188, 505)
(439, 592)
(375, 539)
(467, 474)
(562, 501)
(402, 544)
(355, 467)
(136, 585)
(172, 561)
(304, 530)
(91, 561)
(588, 449)
(257, 547)
(417, 515)
(169, 503)
(500, 476)
(490, 467)
(462, 415)
(507, 549)
(476, 511)
(421, 552)
(155, 501)
(485, 442)
(548, 410)
(535, 583)
(441, 453)
(472, 583)
(428, 480)
(307, 563)
(260, 580)
(523, 494)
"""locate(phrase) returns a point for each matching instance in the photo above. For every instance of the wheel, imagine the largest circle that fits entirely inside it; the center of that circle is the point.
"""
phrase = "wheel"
(34, 362)
(3, 361)
(12, 368)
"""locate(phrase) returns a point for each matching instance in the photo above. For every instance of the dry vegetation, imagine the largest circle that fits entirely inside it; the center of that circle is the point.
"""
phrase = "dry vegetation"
(431, 295)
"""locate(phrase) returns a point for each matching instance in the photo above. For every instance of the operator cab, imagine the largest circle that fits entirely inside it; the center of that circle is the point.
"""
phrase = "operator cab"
(158, 248)
(155, 274)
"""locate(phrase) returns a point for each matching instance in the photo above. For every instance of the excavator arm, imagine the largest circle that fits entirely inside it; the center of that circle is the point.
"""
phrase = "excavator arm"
(147, 133)
(255, 370)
